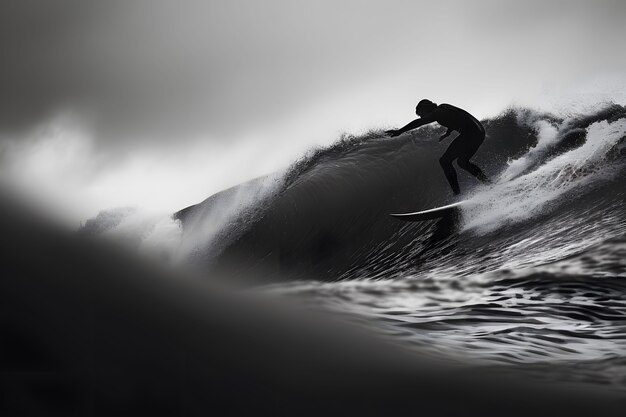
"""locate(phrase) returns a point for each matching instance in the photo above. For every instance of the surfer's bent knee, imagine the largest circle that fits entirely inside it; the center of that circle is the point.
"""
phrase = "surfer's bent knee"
(445, 161)
(463, 162)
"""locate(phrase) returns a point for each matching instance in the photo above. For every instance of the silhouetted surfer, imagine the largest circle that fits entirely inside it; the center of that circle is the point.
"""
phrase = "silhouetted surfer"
(472, 134)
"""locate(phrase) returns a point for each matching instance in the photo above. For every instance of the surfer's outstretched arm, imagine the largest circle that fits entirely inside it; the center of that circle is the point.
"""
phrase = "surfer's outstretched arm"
(412, 125)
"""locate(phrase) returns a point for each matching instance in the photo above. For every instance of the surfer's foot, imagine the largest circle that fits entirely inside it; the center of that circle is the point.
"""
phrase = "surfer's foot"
(483, 178)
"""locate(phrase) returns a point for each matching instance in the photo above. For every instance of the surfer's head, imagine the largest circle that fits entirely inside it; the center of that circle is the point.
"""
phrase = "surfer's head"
(424, 107)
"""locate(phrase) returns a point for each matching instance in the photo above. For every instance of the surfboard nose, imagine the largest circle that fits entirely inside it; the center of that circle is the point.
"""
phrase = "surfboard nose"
(433, 213)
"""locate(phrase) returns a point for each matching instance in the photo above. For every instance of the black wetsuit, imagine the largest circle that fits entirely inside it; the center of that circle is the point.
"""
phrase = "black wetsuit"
(472, 135)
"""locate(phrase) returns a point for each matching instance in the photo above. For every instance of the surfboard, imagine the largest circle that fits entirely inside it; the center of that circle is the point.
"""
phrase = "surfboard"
(433, 213)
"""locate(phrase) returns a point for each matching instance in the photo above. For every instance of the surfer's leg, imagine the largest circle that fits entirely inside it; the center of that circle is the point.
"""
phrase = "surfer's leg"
(473, 169)
(446, 163)
(471, 144)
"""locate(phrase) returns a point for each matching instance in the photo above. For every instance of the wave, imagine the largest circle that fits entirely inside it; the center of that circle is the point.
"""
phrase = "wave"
(326, 218)
(529, 277)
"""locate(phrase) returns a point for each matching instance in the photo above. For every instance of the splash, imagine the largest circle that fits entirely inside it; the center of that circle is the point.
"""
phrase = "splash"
(520, 194)
(152, 233)
(221, 218)
(163, 240)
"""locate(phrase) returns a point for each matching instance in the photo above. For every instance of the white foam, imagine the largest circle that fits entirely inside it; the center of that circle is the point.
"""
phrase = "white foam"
(547, 133)
(518, 197)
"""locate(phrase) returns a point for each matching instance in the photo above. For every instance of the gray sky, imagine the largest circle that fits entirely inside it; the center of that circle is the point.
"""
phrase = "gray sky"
(196, 90)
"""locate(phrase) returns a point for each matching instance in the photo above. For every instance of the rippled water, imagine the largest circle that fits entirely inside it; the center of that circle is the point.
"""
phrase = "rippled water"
(563, 320)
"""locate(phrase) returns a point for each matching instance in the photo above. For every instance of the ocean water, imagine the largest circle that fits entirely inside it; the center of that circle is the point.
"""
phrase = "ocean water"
(530, 277)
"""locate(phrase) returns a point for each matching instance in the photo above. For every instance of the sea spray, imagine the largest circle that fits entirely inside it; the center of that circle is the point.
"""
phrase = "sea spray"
(516, 198)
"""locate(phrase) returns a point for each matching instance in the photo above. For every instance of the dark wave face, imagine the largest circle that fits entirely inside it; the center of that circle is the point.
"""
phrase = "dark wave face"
(531, 273)
(327, 219)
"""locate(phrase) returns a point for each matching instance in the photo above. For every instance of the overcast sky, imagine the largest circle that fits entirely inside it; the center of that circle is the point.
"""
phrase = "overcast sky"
(107, 103)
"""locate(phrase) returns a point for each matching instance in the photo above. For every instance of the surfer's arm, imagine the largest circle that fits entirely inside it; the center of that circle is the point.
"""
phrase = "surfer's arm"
(417, 123)
(445, 135)
(412, 125)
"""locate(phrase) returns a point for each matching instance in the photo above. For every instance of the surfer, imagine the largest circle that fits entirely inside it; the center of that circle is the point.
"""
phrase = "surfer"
(471, 136)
